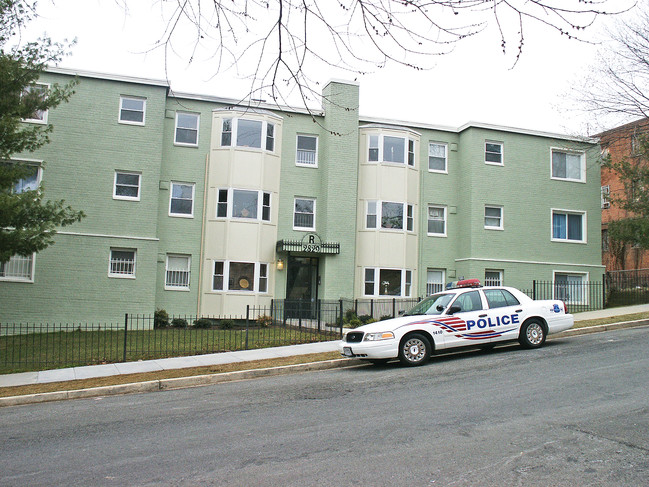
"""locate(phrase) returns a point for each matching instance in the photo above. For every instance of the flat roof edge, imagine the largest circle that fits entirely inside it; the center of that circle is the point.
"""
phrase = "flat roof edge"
(107, 76)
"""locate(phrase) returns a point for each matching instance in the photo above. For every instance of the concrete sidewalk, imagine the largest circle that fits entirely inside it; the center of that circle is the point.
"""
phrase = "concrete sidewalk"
(93, 371)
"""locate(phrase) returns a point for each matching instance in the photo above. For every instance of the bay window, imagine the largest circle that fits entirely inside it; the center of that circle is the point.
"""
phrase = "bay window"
(243, 203)
(393, 216)
(392, 149)
(388, 282)
(248, 133)
(245, 277)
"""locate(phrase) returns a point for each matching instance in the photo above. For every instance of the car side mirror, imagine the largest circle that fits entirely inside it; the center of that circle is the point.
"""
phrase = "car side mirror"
(454, 309)
(402, 312)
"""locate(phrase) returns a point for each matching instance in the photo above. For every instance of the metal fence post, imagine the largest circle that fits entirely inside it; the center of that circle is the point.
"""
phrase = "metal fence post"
(603, 291)
(125, 334)
(340, 319)
(319, 312)
(247, 324)
(394, 307)
(534, 289)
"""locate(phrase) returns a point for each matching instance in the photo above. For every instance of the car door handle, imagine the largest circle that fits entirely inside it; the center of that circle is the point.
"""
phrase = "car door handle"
(519, 311)
(482, 316)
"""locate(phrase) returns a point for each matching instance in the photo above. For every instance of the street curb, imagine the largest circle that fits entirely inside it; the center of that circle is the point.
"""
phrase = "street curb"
(175, 383)
(599, 328)
(210, 379)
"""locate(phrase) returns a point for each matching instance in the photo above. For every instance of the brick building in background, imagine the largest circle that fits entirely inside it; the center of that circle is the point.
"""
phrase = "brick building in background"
(620, 143)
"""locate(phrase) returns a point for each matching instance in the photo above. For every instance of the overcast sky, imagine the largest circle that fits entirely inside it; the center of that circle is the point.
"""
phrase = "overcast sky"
(476, 82)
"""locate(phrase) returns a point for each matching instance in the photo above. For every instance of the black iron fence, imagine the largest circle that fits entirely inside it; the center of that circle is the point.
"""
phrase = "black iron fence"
(25, 347)
(627, 287)
(578, 295)
(31, 346)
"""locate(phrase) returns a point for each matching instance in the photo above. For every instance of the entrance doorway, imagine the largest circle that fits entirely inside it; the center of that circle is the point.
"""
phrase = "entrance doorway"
(302, 287)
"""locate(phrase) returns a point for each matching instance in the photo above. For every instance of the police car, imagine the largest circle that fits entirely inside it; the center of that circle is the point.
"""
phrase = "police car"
(467, 314)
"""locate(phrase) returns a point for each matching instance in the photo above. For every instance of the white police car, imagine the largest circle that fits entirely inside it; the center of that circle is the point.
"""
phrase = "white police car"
(466, 315)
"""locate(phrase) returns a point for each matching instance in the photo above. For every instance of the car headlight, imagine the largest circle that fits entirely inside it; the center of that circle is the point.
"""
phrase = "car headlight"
(383, 335)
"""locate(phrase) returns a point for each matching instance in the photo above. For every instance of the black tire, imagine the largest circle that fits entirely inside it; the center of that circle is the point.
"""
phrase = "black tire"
(532, 334)
(414, 350)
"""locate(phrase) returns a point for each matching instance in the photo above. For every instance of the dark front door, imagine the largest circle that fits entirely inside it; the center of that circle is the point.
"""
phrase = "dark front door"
(301, 287)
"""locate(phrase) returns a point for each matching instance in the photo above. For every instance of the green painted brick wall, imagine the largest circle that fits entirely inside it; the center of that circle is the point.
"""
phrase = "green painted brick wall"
(88, 145)
(340, 185)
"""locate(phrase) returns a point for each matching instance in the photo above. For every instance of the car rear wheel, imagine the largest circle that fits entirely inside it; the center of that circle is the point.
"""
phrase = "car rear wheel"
(414, 350)
(532, 334)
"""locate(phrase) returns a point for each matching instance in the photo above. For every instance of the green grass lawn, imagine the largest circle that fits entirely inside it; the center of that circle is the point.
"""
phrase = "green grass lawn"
(41, 351)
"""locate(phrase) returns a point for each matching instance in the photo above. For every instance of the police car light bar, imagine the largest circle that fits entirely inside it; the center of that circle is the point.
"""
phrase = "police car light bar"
(464, 283)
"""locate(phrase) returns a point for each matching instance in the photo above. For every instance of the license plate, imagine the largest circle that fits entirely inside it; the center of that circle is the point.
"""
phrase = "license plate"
(347, 352)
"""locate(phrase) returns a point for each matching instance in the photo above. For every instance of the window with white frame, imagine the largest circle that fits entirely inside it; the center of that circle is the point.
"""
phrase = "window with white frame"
(493, 278)
(181, 201)
(568, 226)
(226, 132)
(391, 215)
(127, 186)
(30, 179)
(568, 165)
(240, 276)
(265, 207)
(39, 92)
(307, 151)
(18, 268)
(493, 153)
(122, 263)
(434, 281)
(132, 110)
(437, 157)
(304, 214)
(493, 217)
(388, 148)
(388, 282)
(437, 221)
(248, 133)
(186, 131)
(605, 194)
(263, 278)
(270, 137)
(243, 203)
(177, 273)
(371, 216)
(571, 288)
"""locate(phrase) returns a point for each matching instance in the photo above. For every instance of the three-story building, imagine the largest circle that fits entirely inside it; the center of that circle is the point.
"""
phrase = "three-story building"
(202, 205)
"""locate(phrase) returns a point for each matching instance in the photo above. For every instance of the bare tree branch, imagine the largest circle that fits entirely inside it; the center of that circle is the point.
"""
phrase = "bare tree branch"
(274, 43)
(617, 90)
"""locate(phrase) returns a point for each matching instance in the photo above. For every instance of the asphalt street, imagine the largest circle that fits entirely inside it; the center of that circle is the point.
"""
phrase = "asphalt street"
(572, 413)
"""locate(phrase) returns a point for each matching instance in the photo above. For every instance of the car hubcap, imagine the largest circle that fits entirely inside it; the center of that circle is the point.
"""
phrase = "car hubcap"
(414, 350)
(534, 334)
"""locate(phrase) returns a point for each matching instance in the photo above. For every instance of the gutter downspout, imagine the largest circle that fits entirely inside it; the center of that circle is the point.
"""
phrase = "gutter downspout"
(201, 263)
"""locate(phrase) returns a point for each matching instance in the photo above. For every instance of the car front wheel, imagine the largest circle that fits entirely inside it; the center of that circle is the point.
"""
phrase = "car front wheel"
(414, 350)
(532, 334)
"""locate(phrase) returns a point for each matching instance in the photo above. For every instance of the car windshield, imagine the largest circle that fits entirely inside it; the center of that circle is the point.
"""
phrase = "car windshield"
(432, 305)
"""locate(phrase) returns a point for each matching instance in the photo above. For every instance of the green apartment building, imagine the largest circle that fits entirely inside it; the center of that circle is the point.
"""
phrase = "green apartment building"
(200, 206)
